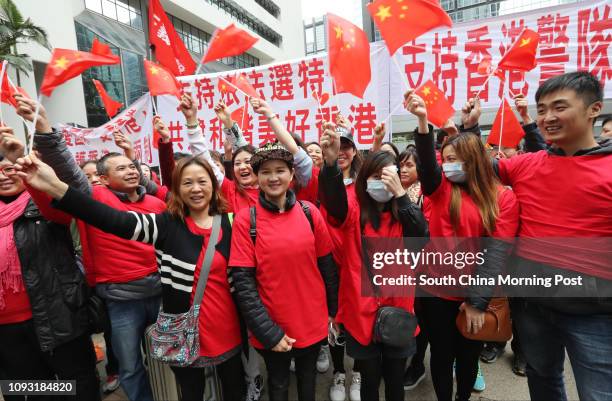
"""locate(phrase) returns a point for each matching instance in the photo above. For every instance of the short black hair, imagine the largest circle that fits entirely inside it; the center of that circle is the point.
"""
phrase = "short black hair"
(585, 84)
(101, 164)
(604, 122)
(179, 155)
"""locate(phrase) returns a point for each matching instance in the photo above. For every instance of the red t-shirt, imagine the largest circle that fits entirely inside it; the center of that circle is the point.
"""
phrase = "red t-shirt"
(470, 224)
(17, 307)
(288, 278)
(116, 260)
(218, 323)
(563, 197)
(237, 201)
(356, 311)
(310, 192)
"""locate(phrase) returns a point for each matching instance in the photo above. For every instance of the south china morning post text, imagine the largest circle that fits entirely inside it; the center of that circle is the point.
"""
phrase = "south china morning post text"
(449, 267)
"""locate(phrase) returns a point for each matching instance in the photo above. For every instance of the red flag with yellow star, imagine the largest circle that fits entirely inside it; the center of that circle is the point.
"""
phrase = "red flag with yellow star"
(349, 56)
(522, 54)
(66, 64)
(224, 87)
(241, 83)
(161, 81)
(400, 21)
(439, 109)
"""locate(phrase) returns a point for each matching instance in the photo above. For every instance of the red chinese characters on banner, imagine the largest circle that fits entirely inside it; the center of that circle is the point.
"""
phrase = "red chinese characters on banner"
(264, 130)
(92, 155)
(281, 82)
(311, 75)
(215, 136)
(515, 79)
(205, 93)
(445, 71)
(329, 114)
(255, 80)
(138, 149)
(552, 48)
(80, 157)
(413, 66)
(130, 124)
(176, 128)
(477, 47)
(247, 127)
(230, 97)
(593, 50)
(298, 122)
(363, 118)
(148, 155)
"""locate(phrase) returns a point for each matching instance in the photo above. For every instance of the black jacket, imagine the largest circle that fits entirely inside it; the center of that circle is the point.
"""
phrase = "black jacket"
(56, 287)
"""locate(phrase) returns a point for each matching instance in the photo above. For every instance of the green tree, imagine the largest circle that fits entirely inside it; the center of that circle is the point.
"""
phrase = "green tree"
(15, 29)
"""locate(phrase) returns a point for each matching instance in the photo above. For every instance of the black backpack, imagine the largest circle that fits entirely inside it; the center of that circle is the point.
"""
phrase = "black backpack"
(253, 213)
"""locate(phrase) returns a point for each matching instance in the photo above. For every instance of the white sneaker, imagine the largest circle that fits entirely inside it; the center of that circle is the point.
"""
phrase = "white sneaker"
(292, 365)
(355, 389)
(323, 360)
(337, 391)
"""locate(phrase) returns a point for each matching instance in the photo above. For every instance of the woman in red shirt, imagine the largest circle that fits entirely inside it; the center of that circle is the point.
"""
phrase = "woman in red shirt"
(283, 273)
(381, 208)
(180, 237)
(467, 201)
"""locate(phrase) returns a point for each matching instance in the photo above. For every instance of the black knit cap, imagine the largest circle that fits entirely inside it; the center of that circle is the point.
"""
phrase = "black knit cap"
(271, 151)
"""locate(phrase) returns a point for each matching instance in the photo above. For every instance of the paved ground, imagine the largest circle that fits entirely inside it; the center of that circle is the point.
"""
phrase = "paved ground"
(502, 384)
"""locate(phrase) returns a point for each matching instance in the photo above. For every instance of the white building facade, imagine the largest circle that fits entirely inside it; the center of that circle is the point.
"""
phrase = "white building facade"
(123, 24)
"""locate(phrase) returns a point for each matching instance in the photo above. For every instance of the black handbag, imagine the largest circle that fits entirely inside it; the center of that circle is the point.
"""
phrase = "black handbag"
(393, 326)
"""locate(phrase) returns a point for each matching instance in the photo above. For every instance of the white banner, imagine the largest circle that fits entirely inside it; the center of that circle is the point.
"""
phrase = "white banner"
(136, 122)
(572, 37)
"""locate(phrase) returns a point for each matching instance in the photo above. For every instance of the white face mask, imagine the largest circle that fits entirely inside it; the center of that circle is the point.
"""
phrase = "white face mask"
(377, 190)
(454, 172)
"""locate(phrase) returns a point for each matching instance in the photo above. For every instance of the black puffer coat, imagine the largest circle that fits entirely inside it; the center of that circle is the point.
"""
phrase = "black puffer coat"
(56, 287)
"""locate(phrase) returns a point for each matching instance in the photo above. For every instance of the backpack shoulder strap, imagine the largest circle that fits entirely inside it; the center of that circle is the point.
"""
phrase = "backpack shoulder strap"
(306, 210)
(253, 229)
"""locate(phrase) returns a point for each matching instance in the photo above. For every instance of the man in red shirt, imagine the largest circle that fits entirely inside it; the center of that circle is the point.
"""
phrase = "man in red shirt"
(125, 272)
(565, 194)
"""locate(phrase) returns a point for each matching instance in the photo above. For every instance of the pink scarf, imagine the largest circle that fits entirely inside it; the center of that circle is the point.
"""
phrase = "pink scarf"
(10, 267)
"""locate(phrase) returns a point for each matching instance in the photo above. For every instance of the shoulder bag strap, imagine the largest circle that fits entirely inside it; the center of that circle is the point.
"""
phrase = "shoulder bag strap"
(208, 258)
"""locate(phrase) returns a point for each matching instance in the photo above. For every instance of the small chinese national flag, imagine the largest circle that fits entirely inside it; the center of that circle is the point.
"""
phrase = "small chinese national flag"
(161, 81)
(400, 21)
(228, 42)
(66, 64)
(439, 109)
(349, 56)
(110, 105)
(102, 49)
(241, 82)
(240, 116)
(224, 87)
(170, 51)
(507, 127)
(522, 54)
(9, 90)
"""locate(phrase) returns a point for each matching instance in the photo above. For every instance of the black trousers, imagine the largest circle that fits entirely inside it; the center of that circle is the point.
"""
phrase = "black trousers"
(448, 345)
(230, 374)
(21, 358)
(390, 369)
(112, 364)
(277, 365)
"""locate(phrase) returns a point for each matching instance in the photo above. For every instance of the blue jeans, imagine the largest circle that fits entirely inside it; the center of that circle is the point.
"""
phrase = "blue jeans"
(545, 336)
(129, 319)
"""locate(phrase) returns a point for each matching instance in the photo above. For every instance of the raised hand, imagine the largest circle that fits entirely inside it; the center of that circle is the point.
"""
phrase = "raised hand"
(160, 126)
(40, 176)
(341, 121)
(415, 105)
(260, 106)
(189, 109)
(470, 113)
(379, 132)
(450, 128)
(330, 143)
(521, 104)
(392, 181)
(11, 147)
(228, 149)
(223, 114)
(26, 108)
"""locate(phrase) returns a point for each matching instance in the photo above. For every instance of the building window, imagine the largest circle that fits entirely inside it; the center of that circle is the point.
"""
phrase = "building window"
(270, 7)
(247, 19)
(125, 11)
(314, 33)
(112, 77)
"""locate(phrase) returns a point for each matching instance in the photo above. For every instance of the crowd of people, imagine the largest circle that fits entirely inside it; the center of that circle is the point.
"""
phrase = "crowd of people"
(285, 282)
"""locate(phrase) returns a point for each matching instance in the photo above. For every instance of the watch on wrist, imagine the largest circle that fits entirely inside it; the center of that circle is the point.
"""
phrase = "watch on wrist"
(193, 126)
